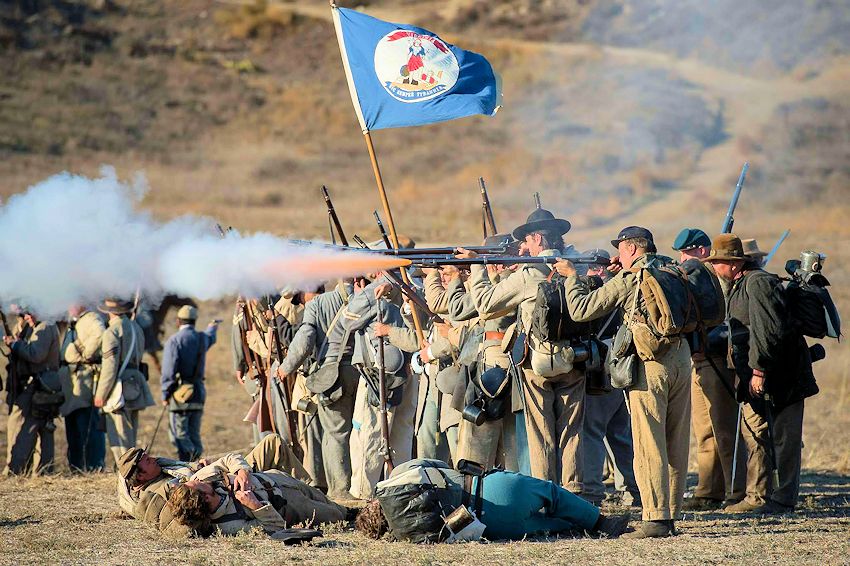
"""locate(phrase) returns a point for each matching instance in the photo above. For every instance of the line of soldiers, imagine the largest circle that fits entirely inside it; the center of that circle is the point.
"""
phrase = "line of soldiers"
(476, 389)
(90, 372)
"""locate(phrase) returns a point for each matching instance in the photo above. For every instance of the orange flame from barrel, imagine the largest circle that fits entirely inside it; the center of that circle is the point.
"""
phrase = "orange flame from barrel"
(318, 266)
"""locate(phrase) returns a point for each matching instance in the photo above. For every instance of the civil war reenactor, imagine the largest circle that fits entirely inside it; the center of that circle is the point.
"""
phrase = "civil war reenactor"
(713, 404)
(774, 368)
(37, 395)
(79, 373)
(122, 390)
(333, 388)
(554, 404)
(607, 426)
(492, 442)
(183, 385)
(659, 396)
(370, 306)
(238, 344)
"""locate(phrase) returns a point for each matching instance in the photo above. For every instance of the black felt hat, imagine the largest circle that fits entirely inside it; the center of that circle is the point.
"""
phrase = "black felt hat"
(541, 220)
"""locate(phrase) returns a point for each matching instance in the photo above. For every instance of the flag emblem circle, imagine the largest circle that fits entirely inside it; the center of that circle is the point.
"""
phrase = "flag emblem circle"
(414, 67)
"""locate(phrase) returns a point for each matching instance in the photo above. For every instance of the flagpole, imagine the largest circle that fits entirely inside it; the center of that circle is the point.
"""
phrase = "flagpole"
(382, 192)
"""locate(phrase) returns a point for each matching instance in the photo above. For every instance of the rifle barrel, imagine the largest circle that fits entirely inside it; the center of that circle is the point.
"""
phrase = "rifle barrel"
(437, 260)
(776, 246)
(334, 218)
(729, 221)
(489, 219)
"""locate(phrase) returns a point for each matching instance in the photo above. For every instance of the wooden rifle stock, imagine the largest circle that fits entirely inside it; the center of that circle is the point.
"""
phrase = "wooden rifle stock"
(333, 216)
(382, 395)
(487, 210)
(285, 391)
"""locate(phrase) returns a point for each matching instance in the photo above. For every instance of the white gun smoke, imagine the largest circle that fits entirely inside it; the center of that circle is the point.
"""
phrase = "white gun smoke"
(73, 240)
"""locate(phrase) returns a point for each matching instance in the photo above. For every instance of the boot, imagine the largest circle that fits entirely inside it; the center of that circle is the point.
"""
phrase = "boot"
(746, 506)
(612, 526)
(652, 529)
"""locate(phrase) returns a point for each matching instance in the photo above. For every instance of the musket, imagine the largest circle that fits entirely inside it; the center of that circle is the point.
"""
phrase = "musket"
(384, 235)
(775, 247)
(333, 217)
(406, 289)
(284, 391)
(537, 201)
(382, 396)
(487, 210)
(435, 261)
(444, 250)
(729, 221)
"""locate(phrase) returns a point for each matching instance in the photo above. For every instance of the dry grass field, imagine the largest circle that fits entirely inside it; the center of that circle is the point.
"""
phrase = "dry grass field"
(239, 111)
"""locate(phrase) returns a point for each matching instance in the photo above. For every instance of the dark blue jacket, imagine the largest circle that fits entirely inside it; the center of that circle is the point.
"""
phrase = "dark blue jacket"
(179, 358)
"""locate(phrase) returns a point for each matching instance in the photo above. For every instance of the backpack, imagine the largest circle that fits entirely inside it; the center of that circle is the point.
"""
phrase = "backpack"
(550, 319)
(708, 295)
(669, 302)
(415, 500)
(811, 311)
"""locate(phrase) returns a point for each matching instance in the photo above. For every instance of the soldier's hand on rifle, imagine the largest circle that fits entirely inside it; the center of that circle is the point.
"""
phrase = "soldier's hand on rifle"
(757, 383)
(8, 340)
(615, 264)
(565, 268)
(239, 377)
(382, 329)
(204, 462)
(382, 290)
(281, 377)
(463, 253)
(424, 354)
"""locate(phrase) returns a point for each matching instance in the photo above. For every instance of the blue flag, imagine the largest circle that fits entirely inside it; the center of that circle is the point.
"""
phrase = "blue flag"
(401, 75)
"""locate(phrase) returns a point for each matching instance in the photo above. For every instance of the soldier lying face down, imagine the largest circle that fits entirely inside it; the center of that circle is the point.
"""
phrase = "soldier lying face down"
(421, 499)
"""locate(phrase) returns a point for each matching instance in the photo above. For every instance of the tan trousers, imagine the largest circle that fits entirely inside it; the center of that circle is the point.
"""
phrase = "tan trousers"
(660, 406)
(272, 453)
(788, 439)
(490, 444)
(367, 463)
(554, 420)
(714, 416)
(121, 429)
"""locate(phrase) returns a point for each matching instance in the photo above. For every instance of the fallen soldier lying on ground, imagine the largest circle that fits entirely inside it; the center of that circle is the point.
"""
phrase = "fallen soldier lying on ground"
(413, 503)
(257, 492)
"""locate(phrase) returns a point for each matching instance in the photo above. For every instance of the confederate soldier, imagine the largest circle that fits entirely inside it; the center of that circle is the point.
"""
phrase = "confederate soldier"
(774, 367)
(80, 359)
(322, 315)
(182, 383)
(713, 404)
(607, 427)
(361, 320)
(122, 390)
(35, 359)
(144, 482)
(659, 398)
(554, 412)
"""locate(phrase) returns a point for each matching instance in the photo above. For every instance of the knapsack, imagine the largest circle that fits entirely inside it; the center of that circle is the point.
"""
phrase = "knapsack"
(811, 310)
(707, 293)
(668, 299)
(415, 500)
(550, 319)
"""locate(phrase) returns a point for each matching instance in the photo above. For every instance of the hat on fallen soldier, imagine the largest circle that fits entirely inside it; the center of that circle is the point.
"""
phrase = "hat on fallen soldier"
(128, 462)
(690, 238)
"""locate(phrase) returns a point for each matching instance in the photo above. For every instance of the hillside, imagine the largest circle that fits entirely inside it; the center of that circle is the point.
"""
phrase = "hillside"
(617, 111)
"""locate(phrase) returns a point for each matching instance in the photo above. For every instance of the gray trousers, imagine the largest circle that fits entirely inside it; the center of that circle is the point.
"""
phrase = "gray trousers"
(29, 440)
(788, 439)
(430, 442)
(335, 420)
(185, 433)
(606, 417)
(121, 429)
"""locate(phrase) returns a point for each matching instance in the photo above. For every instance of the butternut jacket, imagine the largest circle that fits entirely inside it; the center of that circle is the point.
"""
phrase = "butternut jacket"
(80, 359)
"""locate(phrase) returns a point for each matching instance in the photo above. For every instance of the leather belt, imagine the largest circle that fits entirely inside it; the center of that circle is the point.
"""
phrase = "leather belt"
(494, 335)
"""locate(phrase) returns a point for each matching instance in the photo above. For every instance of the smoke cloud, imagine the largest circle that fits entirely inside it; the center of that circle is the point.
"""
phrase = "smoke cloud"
(70, 239)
